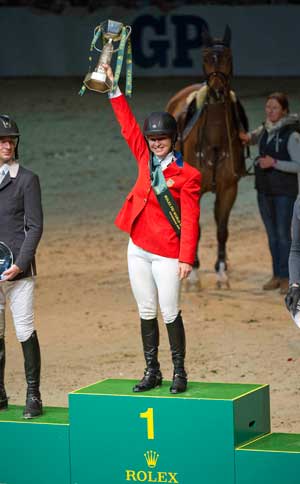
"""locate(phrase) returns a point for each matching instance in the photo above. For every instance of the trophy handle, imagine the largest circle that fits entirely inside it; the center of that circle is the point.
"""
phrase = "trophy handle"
(99, 28)
(129, 29)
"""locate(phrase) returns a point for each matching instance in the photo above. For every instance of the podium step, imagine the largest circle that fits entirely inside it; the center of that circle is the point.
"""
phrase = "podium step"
(51, 415)
(271, 459)
(198, 390)
(34, 451)
(119, 436)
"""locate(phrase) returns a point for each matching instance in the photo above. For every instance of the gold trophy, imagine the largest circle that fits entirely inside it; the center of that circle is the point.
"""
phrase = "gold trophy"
(112, 32)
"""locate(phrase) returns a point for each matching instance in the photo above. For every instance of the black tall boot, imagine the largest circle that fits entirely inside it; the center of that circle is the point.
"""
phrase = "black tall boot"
(150, 336)
(177, 346)
(3, 396)
(32, 365)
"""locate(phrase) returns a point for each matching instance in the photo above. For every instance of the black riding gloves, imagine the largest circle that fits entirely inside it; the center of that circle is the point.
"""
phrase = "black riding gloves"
(292, 299)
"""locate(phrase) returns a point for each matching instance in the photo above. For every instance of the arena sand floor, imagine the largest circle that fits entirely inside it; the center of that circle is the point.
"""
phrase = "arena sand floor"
(85, 314)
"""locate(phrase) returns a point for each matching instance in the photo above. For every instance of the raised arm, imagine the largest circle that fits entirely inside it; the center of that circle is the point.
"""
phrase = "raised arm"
(130, 129)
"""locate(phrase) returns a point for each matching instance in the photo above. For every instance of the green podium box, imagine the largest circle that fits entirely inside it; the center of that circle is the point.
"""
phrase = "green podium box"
(271, 459)
(34, 451)
(118, 436)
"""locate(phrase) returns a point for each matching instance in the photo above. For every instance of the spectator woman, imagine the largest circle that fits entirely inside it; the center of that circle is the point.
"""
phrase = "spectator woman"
(276, 181)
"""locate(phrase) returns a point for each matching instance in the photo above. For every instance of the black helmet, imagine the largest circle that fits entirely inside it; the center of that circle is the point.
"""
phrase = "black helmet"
(161, 123)
(8, 127)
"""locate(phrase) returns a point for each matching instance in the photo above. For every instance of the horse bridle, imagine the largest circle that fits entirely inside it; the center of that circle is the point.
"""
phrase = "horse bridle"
(225, 99)
(219, 75)
(210, 58)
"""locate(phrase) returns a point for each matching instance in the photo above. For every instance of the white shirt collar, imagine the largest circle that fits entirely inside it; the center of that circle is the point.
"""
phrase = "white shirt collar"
(4, 167)
(13, 168)
(166, 161)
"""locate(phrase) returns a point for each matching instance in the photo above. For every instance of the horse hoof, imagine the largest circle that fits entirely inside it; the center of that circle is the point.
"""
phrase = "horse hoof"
(223, 285)
(192, 283)
(222, 277)
(192, 287)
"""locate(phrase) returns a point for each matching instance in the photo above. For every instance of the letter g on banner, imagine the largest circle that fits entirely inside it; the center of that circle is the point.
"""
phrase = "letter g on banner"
(166, 41)
(158, 47)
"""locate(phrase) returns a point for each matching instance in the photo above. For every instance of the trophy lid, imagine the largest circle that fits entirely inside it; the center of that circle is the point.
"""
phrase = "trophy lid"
(6, 257)
(112, 29)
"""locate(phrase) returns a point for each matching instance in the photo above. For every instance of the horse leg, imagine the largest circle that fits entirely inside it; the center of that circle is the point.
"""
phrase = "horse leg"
(223, 205)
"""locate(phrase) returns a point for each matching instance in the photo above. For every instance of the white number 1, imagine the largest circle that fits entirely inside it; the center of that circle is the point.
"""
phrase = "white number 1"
(150, 422)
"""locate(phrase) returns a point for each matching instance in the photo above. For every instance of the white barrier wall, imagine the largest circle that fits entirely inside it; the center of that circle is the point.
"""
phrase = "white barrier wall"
(264, 39)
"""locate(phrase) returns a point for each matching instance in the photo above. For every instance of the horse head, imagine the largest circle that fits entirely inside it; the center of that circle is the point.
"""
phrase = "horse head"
(217, 62)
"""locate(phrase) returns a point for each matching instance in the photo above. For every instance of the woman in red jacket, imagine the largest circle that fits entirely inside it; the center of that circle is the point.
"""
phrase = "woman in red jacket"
(161, 214)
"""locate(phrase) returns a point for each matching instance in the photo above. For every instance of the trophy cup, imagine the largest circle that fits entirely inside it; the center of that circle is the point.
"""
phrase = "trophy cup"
(6, 259)
(112, 32)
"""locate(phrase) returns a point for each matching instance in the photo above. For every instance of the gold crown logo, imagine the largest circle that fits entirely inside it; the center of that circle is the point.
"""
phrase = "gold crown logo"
(151, 457)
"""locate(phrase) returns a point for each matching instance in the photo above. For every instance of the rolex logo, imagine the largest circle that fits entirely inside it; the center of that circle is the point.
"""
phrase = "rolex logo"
(151, 457)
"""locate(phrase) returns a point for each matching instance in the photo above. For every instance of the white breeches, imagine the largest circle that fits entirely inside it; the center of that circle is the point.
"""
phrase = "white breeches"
(19, 294)
(154, 279)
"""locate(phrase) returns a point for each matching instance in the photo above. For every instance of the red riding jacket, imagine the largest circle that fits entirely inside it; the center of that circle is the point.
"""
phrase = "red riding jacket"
(141, 215)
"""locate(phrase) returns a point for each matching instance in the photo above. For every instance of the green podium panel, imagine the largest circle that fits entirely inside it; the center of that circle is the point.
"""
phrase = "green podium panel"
(118, 436)
(271, 459)
(34, 451)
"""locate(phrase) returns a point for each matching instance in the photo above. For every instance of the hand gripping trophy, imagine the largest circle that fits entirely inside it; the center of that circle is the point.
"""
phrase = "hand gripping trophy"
(112, 32)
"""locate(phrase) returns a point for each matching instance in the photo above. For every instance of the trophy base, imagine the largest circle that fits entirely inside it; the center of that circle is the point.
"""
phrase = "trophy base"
(97, 81)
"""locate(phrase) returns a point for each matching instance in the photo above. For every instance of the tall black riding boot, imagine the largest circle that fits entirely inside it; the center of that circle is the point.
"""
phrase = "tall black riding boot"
(32, 365)
(177, 346)
(150, 336)
(3, 396)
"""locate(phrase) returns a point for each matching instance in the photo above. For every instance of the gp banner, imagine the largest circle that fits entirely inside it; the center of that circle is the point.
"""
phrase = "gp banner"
(164, 43)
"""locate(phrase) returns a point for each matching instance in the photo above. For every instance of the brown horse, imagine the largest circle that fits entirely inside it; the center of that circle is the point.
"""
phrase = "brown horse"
(209, 119)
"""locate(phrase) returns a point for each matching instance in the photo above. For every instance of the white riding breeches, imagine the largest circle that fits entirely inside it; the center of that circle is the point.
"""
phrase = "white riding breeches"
(20, 297)
(154, 279)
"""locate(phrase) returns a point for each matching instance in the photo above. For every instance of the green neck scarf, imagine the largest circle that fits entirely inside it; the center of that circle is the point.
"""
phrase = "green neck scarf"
(168, 205)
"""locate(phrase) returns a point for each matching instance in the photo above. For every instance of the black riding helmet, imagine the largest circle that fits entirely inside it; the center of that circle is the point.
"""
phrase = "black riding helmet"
(8, 127)
(161, 123)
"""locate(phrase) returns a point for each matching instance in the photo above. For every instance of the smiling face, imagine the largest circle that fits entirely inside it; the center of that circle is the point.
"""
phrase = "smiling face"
(7, 149)
(274, 111)
(160, 145)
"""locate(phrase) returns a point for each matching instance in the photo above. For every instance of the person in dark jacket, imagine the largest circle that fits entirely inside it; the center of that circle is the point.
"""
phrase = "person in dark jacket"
(277, 178)
(21, 228)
